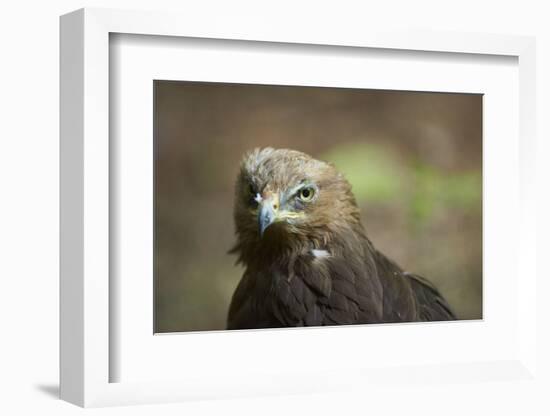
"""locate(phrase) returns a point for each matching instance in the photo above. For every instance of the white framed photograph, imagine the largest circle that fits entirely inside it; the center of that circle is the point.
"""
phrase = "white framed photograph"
(224, 189)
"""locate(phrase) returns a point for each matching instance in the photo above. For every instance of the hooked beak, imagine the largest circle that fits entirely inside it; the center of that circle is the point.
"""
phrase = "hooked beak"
(267, 214)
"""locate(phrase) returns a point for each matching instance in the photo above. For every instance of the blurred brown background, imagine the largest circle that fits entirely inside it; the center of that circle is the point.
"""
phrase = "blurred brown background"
(414, 160)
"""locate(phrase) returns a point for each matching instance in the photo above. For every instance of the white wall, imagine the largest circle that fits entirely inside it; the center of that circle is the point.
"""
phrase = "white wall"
(29, 203)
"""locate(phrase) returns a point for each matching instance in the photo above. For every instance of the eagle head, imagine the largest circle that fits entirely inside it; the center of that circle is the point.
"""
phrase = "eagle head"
(287, 201)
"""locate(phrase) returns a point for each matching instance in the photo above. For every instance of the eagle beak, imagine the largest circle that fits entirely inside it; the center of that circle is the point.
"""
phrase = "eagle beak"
(267, 214)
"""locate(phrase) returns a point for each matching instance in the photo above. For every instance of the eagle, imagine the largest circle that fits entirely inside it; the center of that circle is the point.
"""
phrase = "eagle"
(307, 258)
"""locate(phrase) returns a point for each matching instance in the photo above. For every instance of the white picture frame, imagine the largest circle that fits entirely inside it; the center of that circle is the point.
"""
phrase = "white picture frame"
(86, 356)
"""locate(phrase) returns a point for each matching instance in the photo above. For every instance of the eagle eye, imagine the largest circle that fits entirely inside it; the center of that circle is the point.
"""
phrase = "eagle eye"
(306, 194)
(253, 197)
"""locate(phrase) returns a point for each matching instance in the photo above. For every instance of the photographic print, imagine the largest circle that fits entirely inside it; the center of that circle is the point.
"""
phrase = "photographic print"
(293, 206)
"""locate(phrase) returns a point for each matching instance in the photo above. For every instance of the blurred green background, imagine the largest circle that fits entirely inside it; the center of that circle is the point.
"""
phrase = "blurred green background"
(414, 160)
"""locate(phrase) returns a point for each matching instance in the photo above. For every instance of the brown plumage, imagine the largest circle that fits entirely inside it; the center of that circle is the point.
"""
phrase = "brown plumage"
(308, 260)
